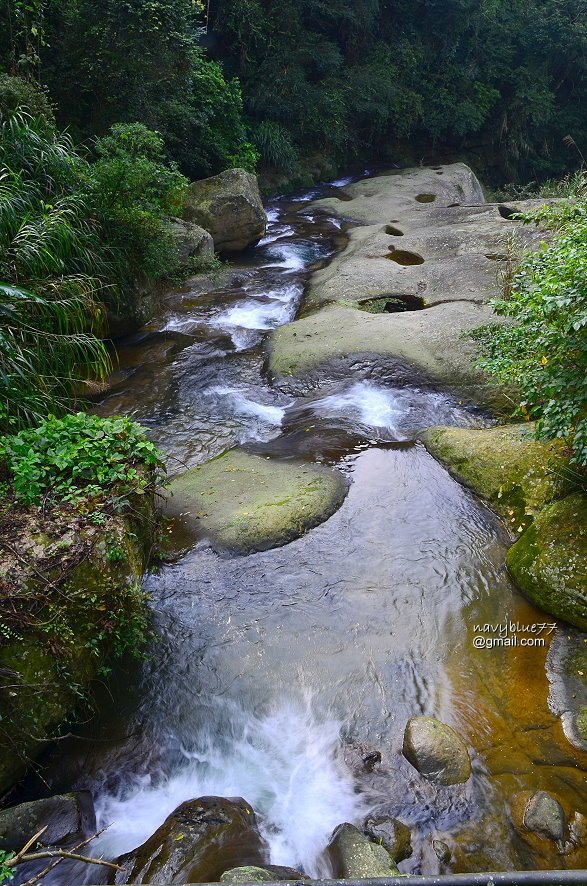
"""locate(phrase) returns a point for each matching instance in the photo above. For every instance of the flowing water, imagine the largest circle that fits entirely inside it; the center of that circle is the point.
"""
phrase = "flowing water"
(274, 672)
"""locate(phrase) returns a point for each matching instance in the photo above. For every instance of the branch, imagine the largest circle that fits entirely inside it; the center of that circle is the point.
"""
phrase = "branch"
(61, 853)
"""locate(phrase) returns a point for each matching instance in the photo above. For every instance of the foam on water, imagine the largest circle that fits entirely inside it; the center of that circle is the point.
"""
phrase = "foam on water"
(392, 413)
(243, 405)
(371, 405)
(287, 765)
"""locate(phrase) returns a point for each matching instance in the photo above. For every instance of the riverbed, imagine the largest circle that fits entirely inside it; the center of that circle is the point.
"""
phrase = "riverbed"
(273, 672)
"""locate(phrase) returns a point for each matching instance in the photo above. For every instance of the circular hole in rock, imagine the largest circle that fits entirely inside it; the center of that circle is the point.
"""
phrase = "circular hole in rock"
(395, 232)
(507, 212)
(426, 198)
(403, 257)
(392, 303)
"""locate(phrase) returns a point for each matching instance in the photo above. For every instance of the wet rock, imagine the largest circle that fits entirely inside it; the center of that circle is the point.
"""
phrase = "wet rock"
(441, 850)
(247, 503)
(197, 843)
(390, 833)
(544, 816)
(229, 207)
(192, 242)
(268, 874)
(371, 760)
(540, 821)
(65, 816)
(353, 855)
(436, 751)
(549, 561)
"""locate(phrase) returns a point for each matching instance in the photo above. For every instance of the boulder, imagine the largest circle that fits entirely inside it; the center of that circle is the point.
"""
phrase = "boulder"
(353, 856)
(197, 843)
(229, 207)
(65, 816)
(390, 833)
(248, 503)
(540, 814)
(436, 751)
(549, 561)
(192, 241)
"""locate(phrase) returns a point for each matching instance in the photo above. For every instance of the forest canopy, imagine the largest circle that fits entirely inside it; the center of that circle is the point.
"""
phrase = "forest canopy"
(496, 81)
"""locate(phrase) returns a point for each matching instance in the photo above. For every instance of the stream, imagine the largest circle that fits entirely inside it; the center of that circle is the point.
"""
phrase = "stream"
(274, 672)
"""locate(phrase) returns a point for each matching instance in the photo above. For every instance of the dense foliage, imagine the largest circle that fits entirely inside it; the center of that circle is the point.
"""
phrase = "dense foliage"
(50, 259)
(502, 81)
(80, 456)
(544, 349)
(74, 236)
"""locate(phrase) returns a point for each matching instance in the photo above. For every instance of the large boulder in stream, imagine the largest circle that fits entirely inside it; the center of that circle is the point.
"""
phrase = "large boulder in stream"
(229, 207)
(436, 751)
(246, 503)
(197, 843)
(353, 856)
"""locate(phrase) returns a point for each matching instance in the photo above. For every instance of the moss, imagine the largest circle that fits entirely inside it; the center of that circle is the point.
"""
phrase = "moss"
(72, 607)
(509, 468)
(549, 562)
(247, 503)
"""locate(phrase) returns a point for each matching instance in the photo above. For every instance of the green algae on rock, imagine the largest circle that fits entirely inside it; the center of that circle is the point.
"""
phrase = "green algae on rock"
(532, 486)
(549, 562)
(246, 503)
(515, 473)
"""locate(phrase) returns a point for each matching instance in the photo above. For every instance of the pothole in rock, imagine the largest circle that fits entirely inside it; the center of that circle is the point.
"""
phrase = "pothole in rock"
(395, 232)
(508, 212)
(405, 258)
(425, 198)
(392, 303)
(497, 256)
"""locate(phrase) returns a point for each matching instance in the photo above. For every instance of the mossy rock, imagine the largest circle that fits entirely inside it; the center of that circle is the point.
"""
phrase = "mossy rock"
(92, 604)
(248, 503)
(515, 473)
(549, 561)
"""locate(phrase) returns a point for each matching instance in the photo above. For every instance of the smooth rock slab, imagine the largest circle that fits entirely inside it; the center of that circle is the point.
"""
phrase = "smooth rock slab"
(246, 503)
(353, 855)
(268, 874)
(198, 842)
(436, 751)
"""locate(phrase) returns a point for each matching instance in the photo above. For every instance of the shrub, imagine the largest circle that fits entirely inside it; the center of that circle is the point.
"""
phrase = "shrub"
(544, 349)
(134, 189)
(79, 457)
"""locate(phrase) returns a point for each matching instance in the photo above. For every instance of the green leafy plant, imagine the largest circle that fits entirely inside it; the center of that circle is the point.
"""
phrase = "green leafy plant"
(81, 456)
(543, 349)
(6, 872)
